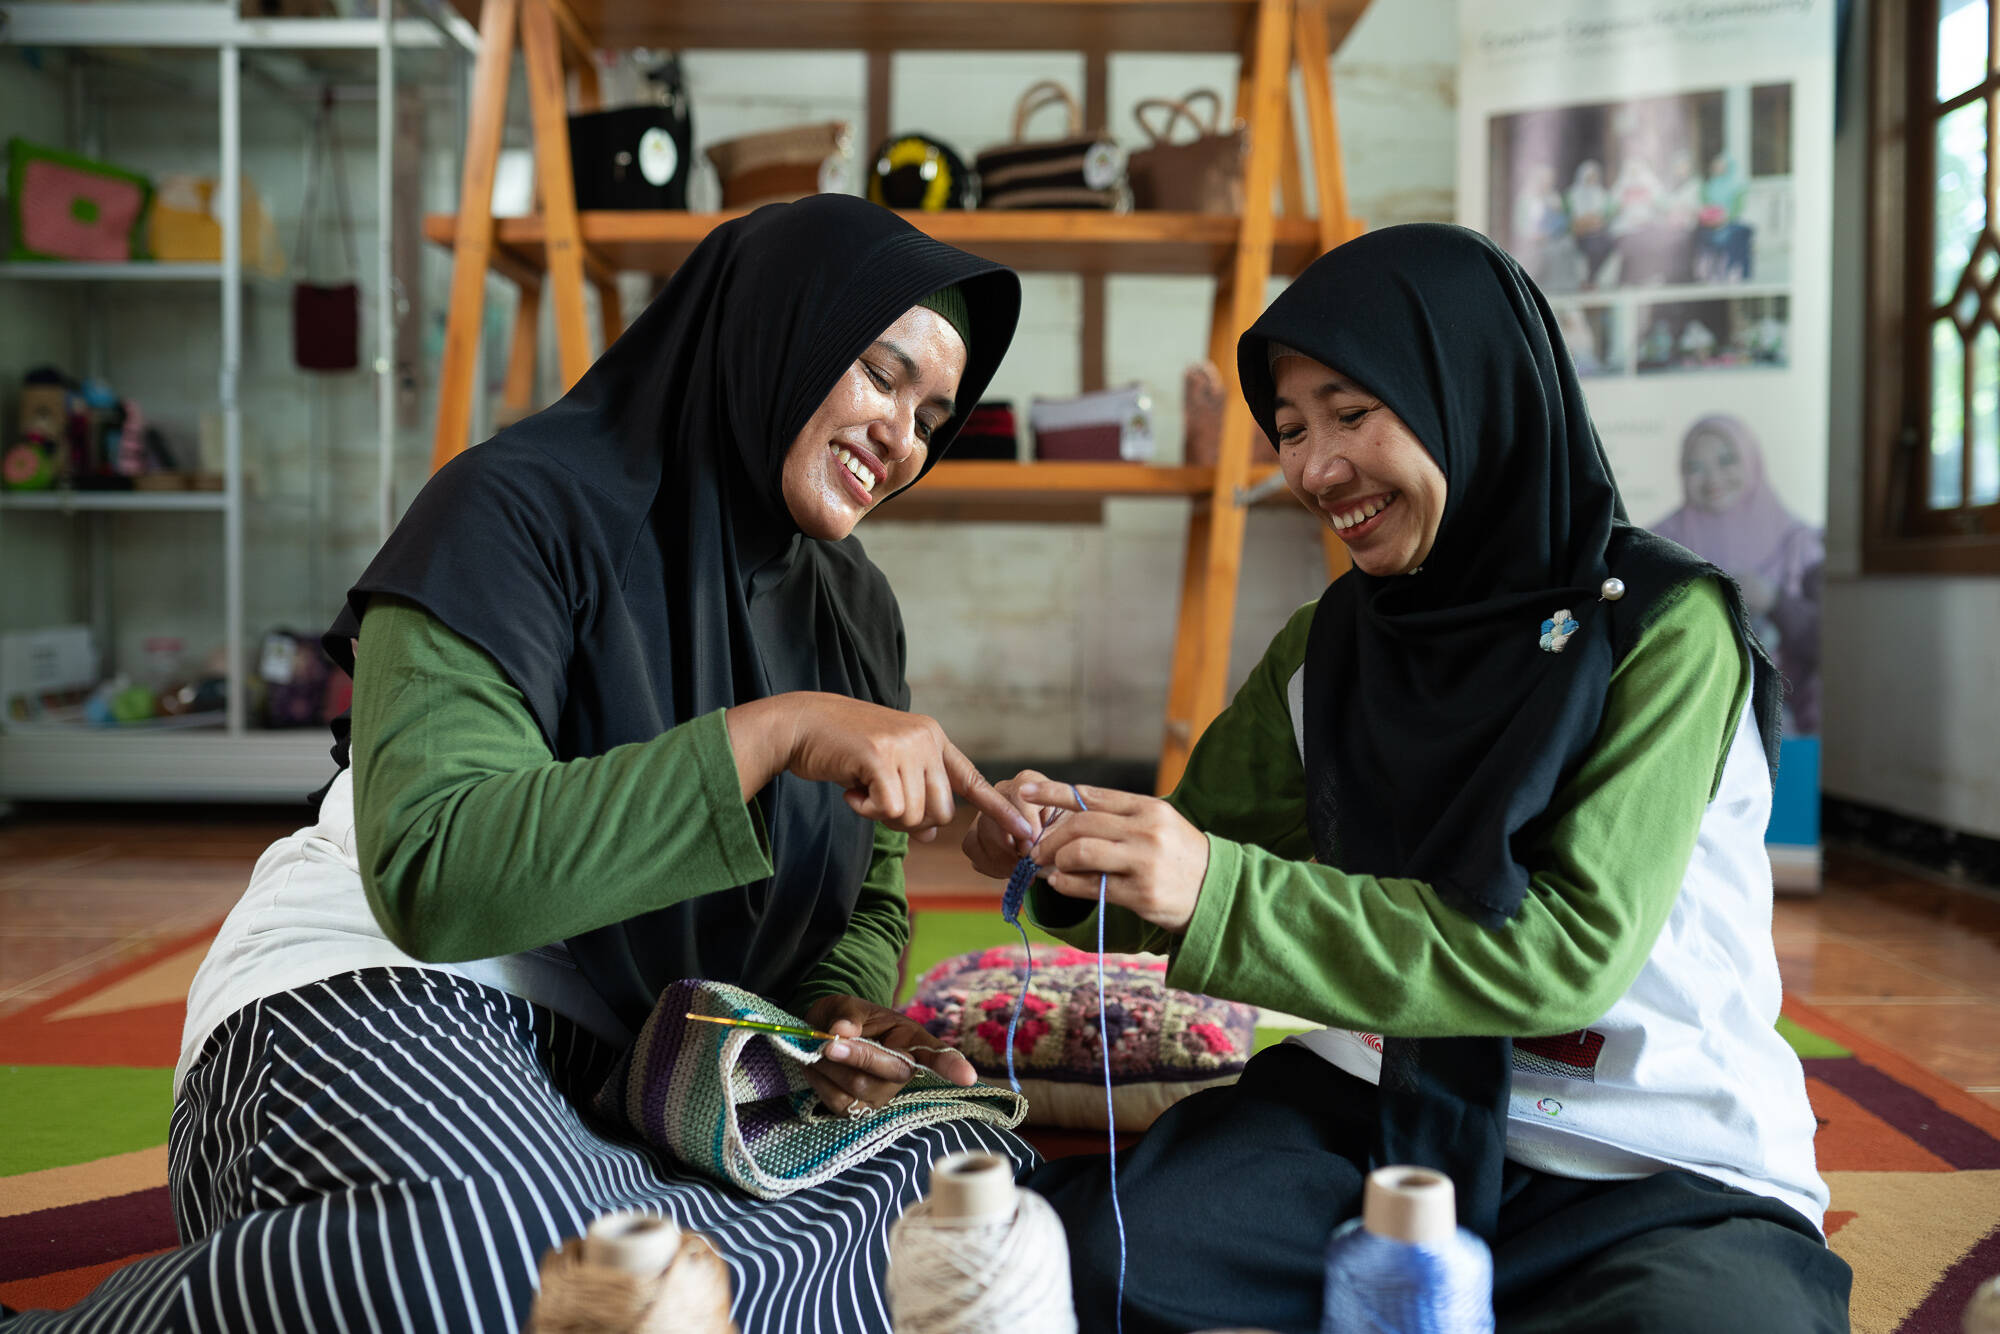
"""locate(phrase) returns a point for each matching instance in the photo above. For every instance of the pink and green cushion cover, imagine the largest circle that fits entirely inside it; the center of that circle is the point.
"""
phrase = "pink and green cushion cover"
(1165, 1044)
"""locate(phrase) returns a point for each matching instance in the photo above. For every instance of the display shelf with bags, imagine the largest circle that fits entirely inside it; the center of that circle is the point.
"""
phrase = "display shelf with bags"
(558, 251)
(157, 559)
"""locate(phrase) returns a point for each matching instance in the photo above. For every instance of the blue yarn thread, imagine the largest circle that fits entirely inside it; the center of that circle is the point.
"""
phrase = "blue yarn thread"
(1024, 875)
(1376, 1283)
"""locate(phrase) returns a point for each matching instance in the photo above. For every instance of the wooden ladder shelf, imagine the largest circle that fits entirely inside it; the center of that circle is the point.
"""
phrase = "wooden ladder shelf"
(558, 251)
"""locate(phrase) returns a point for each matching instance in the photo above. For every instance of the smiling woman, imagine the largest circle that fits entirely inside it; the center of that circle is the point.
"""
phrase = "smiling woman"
(1352, 461)
(872, 435)
(1492, 810)
(629, 709)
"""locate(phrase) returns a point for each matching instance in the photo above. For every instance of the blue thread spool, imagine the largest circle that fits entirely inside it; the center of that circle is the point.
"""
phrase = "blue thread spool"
(1406, 1266)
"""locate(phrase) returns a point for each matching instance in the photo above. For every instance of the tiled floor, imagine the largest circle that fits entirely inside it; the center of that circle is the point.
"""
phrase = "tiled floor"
(1908, 960)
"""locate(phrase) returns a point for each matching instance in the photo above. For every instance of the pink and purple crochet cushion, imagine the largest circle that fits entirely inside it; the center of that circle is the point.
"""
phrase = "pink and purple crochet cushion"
(1165, 1044)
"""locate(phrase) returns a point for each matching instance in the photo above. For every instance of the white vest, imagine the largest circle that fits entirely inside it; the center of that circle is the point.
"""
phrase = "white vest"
(1687, 1069)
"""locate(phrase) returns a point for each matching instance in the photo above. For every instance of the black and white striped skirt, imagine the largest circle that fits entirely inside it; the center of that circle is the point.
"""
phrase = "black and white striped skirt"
(396, 1148)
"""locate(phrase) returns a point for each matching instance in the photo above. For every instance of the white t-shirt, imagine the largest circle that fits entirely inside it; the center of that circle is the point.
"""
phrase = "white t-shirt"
(1688, 1068)
(305, 917)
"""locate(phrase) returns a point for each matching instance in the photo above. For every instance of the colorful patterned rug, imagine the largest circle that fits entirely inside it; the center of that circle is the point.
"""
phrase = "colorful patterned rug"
(1914, 1162)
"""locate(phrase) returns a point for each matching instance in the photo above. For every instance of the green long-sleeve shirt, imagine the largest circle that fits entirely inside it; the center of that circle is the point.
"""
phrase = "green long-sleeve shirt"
(475, 841)
(1386, 955)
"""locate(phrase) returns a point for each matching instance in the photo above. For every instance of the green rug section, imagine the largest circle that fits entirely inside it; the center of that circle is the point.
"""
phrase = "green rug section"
(939, 935)
(1808, 1044)
(60, 1115)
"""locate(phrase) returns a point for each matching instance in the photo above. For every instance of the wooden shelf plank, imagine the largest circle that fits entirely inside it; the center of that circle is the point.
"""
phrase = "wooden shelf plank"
(1092, 26)
(1052, 241)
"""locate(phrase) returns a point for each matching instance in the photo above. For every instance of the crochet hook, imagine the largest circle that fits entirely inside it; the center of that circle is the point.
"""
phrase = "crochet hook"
(763, 1026)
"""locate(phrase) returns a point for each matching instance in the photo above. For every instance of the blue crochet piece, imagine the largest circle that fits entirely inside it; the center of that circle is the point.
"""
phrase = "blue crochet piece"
(1024, 875)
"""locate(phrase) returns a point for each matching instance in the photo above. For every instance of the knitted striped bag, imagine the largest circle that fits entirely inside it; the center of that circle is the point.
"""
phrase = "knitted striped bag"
(734, 1104)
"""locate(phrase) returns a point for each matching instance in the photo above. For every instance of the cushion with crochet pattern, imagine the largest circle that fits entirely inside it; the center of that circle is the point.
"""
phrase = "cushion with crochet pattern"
(1165, 1044)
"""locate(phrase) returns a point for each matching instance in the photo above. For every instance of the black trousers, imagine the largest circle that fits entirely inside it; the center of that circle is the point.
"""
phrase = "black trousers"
(1231, 1196)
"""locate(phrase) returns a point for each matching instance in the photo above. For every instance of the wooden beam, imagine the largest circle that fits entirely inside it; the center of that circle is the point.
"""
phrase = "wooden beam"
(1090, 339)
(517, 396)
(549, 111)
(574, 36)
(610, 312)
(1291, 178)
(879, 95)
(1265, 86)
(472, 247)
(1315, 56)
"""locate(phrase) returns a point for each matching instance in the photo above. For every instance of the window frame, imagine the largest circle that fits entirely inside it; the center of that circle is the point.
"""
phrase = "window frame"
(1900, 533)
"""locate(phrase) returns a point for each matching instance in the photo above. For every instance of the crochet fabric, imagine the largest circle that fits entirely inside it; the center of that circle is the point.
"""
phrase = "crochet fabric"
(734, 1104)
(1165, 1044)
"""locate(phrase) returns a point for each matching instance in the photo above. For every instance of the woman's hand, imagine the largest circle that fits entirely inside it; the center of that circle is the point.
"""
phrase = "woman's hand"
(1152, 859)
(993, 847)
(897, 768)
(856, 1077)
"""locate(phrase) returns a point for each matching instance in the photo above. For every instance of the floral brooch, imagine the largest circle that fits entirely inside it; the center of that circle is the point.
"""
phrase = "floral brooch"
(1557, 630)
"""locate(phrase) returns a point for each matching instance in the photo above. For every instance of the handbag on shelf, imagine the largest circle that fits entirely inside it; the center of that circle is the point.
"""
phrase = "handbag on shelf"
(68, 207)
(1201, 175)
(1107, 425)
(989, 433)
(1076, 170)
(915, 171)
(326, 317)
(638, 156)
(778, 166)
(1202, 400)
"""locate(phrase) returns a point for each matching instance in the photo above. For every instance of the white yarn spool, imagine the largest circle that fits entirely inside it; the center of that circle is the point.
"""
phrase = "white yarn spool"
(1982, 1313)
(641, 1244)
(979, 1255)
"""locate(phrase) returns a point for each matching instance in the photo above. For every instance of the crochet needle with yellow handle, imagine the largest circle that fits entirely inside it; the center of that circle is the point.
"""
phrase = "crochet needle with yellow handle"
(793, 1031)
(763, 1026)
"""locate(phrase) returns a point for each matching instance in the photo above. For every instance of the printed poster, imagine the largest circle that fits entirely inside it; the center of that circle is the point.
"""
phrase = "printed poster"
(1664, 172)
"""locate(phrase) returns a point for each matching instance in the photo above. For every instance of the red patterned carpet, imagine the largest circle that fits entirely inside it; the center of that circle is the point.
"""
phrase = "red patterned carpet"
(1913, 1161)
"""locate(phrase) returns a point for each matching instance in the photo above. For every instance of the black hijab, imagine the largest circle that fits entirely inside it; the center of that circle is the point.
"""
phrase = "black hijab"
(627, 557)
(1437, 729)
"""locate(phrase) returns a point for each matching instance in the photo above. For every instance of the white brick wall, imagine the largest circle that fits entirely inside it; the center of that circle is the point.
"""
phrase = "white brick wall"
(1050, 640)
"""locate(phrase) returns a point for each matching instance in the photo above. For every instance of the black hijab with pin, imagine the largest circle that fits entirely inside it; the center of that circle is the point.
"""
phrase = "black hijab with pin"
(628, 558)
(1443, 710)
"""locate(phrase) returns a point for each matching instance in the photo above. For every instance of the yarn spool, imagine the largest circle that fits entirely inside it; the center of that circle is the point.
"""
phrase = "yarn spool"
(979, 1255)
(1405, 1265)
(1982, 1313)
(633, 1273)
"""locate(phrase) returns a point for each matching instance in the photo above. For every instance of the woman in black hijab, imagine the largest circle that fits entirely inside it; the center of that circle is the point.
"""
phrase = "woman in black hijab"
(1492, 810)
(629, 708)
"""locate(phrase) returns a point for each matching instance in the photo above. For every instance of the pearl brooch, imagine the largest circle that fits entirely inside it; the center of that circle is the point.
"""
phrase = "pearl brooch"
(1611, 590)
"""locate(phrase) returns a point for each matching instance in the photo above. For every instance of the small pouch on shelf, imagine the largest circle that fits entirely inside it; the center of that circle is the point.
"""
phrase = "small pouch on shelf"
(67, 207)
(1202, 175)
(326, 317)
(734, 1103)
(1077, 170)
(779, 166)
(990, 432)
(1107, 425)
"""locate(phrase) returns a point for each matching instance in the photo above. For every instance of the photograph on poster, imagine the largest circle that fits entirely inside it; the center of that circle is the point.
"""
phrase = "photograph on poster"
(1591, 334)
(1712, 334)
(1731, 514)
(1690, 188)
